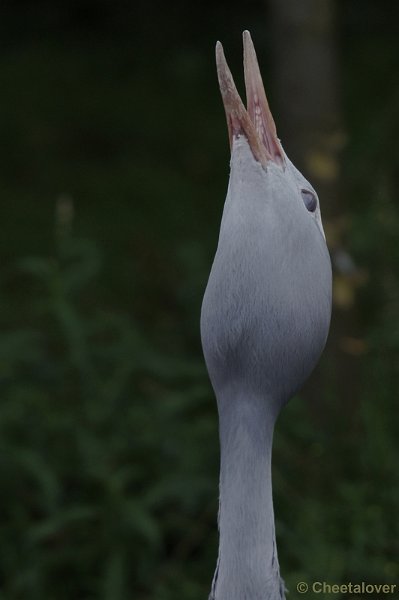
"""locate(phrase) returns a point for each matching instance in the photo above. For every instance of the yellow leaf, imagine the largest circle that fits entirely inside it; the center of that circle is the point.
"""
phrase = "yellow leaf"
(322, 165)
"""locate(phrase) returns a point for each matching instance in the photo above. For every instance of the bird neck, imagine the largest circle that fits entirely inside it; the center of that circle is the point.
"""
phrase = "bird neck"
(247, 564)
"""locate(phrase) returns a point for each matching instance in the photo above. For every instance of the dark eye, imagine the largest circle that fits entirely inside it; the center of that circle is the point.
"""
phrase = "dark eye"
(309, 200)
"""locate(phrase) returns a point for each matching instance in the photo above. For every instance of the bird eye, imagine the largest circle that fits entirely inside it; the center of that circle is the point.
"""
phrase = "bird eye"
(309, 200)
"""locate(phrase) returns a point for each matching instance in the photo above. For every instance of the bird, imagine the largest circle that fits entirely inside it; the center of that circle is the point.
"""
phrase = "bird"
(264, 323)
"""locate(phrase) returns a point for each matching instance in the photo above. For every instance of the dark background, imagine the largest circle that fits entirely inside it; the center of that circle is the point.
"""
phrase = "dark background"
(113, 172)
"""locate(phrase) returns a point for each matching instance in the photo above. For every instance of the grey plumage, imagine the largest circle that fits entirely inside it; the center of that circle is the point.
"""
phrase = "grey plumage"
(264, 322)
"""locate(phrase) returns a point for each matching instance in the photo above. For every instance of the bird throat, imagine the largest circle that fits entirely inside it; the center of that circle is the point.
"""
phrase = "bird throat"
(247, 565)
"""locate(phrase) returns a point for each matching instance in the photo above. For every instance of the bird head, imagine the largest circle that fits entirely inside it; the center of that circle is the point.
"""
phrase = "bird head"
(267, 306)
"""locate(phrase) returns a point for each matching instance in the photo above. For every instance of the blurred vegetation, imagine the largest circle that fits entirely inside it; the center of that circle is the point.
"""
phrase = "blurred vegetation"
(94, 443)
(108, 428)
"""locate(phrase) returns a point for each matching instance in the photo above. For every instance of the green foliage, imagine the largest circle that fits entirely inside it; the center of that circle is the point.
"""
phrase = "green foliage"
(104, 447)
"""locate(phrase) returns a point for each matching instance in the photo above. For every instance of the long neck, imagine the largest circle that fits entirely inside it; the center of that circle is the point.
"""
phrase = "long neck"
(247, 565)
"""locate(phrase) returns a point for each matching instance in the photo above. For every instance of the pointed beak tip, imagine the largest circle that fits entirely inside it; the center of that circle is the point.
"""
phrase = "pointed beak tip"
(247, 41)
(220, 58)
(255, 121)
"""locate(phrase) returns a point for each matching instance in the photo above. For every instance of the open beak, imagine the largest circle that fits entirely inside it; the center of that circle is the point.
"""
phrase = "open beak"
(255, 121)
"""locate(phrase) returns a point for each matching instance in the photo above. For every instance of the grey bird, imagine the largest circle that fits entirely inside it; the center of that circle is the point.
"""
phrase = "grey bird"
(264, 323)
